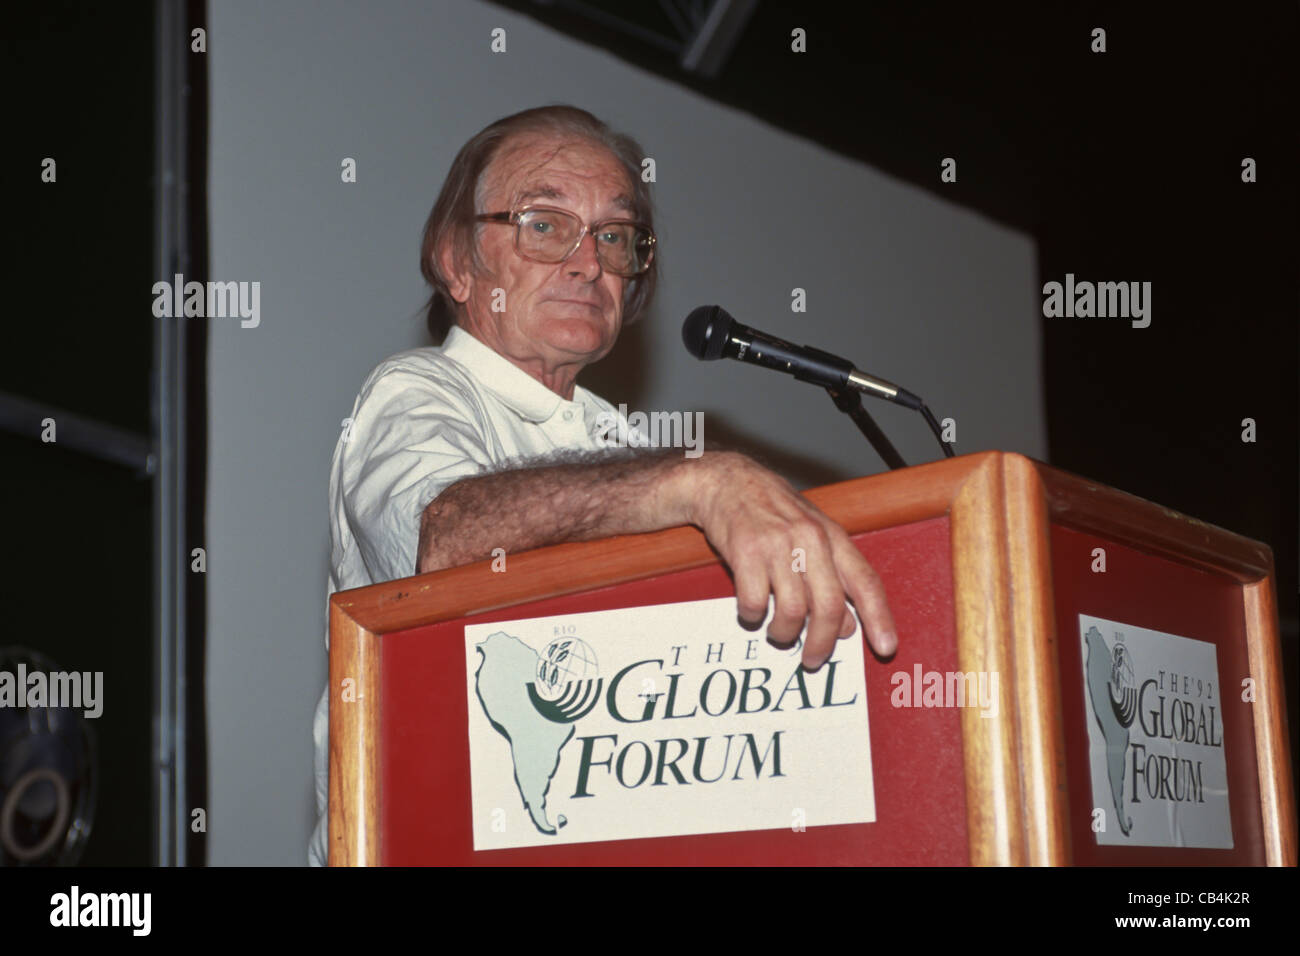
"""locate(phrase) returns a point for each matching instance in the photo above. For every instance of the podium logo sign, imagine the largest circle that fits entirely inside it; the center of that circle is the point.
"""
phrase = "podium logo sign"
(1155, 729)
(658, 721)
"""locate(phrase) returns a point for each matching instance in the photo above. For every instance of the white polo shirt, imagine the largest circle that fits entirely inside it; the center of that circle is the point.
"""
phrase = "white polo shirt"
(425, 419)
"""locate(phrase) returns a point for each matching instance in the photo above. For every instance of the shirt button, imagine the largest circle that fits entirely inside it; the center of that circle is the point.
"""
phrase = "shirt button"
(568, 415)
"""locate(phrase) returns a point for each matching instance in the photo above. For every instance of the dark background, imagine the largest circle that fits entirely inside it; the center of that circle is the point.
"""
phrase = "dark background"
(1123, 166)
(77, 572)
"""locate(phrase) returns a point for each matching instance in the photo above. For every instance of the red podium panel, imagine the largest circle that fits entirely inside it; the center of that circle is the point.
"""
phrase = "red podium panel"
(916, 751)
(987, 560)
(1162, 595)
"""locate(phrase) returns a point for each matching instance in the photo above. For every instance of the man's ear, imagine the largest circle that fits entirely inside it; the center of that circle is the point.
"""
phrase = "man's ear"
(457, 276)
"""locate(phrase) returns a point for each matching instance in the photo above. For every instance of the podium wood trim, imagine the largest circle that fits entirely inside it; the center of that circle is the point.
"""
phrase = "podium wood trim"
(354, 743)
(1272, 745)
(1000, 508)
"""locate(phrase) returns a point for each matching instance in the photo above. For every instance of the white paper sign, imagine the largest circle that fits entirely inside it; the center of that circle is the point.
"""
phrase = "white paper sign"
(658, 721)
(1155, 732)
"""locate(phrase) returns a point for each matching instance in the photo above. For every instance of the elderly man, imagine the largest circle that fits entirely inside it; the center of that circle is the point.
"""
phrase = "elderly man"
(538, 249)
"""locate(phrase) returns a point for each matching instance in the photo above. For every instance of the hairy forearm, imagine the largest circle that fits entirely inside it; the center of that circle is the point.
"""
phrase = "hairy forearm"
(581, 498)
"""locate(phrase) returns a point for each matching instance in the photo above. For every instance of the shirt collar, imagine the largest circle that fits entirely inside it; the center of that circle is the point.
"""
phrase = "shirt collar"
(532, 400)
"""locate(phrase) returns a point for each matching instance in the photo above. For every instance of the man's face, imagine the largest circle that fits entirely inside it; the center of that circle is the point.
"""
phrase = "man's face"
(557, 316)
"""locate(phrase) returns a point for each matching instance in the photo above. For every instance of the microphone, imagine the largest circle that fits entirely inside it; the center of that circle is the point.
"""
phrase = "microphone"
(710, 332)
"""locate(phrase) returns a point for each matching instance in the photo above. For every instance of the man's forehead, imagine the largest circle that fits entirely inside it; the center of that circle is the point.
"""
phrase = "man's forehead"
(537, 168)
(533, 191)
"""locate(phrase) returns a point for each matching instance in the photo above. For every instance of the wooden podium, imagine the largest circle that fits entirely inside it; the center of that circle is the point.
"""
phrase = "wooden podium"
(989, 560)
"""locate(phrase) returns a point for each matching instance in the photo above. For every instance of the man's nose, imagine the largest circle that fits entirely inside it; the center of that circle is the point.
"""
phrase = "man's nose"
(585, 262)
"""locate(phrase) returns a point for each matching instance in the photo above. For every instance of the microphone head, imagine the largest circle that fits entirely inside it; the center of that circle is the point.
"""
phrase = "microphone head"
(706, 330)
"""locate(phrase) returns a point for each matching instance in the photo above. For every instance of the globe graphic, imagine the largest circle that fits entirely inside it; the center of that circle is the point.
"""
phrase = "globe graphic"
(565, 659)
(1121, 670)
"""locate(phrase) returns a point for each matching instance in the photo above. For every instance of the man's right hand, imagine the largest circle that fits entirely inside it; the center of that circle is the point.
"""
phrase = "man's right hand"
(756, 521)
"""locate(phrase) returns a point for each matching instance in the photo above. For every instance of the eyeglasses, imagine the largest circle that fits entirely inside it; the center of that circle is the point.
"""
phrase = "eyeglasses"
(546, 234)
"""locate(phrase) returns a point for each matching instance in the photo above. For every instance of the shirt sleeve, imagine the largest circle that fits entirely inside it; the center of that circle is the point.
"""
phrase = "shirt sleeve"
(412, 435)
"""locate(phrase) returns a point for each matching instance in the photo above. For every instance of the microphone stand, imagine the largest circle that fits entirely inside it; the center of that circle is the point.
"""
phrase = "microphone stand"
(849, 401)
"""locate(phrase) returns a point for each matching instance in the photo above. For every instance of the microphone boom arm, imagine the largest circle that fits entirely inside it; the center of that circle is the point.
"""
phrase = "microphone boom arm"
(849, 401)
